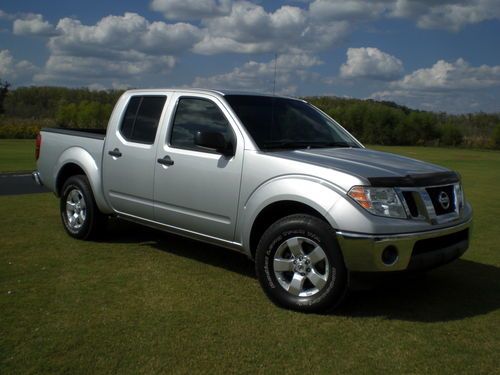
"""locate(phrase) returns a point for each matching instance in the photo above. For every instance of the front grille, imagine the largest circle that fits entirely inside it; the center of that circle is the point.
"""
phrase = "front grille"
(438, 243)
(434, 204)
(410, 203)
(443, 199)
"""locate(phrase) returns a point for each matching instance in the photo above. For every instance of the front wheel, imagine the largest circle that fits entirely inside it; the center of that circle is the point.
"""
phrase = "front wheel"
(79, 213)
(300, 266)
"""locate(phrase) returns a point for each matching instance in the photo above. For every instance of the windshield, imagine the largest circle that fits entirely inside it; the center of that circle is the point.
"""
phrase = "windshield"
(281, 123)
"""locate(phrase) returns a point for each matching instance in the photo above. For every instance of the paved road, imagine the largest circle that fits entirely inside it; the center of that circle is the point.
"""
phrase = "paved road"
(16, 184)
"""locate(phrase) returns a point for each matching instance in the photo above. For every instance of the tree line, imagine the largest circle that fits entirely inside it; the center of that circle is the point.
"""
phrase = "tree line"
(23, 111)
(28, 109)
(387, 123)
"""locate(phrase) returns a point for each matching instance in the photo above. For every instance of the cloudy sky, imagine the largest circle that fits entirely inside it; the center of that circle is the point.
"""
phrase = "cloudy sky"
(441, 55)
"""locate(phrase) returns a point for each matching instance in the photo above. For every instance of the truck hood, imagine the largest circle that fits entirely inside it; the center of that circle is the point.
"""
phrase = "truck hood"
(379, 168)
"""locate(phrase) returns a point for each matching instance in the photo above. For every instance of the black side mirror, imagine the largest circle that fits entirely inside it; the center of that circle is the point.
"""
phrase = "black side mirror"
(214, 141)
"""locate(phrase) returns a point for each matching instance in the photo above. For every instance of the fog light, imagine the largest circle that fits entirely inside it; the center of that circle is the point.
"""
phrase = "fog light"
(390, 255)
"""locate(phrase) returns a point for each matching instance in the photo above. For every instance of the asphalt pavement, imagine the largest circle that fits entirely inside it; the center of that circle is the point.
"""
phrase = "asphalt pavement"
(19, 183)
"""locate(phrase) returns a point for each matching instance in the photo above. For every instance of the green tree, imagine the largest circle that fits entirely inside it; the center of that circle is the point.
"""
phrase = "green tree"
(66, 115)
(451, 135)
(496, 137)
(4, 89)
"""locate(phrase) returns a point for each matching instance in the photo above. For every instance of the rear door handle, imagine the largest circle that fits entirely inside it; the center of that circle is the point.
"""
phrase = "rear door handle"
(116, 153)
(166, 160)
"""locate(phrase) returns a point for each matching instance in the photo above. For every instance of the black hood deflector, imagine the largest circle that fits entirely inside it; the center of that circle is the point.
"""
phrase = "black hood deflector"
(416, 180)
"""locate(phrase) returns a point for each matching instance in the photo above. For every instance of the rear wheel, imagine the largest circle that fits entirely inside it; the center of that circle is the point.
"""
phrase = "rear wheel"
(79, 213)
(300, 266)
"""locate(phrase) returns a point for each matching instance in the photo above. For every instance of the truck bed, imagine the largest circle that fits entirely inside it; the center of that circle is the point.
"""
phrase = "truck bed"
(96, 133)
(59, 146)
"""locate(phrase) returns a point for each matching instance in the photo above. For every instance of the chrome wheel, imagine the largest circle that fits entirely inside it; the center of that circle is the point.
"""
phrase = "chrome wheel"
(301, 266)
(76, 209)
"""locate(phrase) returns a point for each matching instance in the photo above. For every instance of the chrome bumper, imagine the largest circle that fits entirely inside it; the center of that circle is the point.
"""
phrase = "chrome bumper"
(419, 250)
(37, 178)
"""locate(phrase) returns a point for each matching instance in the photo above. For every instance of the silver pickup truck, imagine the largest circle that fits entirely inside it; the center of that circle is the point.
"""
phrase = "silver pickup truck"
(272, 177)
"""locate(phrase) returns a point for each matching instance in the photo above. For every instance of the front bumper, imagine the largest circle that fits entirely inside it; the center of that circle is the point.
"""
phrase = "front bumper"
(410, 251)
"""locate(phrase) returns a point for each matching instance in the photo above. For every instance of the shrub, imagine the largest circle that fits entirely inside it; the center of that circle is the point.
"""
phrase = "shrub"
(19, 132)
(451, 135)
(496, 137)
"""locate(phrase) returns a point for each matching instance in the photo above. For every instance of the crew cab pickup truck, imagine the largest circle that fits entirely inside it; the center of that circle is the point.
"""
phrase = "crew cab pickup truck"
(272, 177)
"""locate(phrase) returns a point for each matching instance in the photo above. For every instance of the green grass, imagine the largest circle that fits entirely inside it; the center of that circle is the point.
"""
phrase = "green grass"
(145, 302)
(17, 155)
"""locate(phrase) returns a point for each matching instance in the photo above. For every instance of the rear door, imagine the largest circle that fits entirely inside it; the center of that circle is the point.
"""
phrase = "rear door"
(129, 156)
(199, 191)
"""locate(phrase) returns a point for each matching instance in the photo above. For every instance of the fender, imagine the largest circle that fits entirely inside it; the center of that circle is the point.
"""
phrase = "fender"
(314, 192)
(82, 158)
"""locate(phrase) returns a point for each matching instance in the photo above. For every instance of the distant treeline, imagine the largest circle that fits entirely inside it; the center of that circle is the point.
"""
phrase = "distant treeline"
(27, 109)
(387, 123)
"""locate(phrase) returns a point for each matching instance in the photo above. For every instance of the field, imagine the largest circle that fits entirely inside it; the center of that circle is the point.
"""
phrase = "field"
(17, 155)
(141, 301)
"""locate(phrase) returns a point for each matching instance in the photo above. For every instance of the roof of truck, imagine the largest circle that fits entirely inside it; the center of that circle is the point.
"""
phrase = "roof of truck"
(222, 92)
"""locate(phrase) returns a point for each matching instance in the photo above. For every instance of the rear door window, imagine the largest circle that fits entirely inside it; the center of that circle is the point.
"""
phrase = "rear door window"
(142, 117)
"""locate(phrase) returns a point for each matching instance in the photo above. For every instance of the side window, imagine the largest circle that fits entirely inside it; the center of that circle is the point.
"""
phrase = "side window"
(141, 118)
(193, 115)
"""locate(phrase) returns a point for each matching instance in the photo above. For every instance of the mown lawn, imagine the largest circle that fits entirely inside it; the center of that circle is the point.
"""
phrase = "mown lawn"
(141, 302)
(17, 155)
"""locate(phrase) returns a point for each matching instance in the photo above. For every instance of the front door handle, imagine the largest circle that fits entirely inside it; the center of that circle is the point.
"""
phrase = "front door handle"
(116, 153)
(166, 160)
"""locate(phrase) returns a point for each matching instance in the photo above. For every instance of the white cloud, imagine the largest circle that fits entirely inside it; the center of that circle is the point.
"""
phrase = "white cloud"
(15, 71)
(451, 102)
(258, 76)
(96, 87)
(455, 87)
(33, 24)
(191, 9)
(446, 76)
(128, 66)
(123, 33)
(6, 16)
(249, 28)
(125, 47)
(371, 63)
(346, 9)
(452, 15)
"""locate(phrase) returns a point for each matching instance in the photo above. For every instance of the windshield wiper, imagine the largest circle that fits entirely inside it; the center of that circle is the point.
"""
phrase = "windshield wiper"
(289, 144)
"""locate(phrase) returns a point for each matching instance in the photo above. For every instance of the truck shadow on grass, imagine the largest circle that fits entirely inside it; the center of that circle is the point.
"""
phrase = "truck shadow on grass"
(456, 291)
(120, 231)
(459, 290)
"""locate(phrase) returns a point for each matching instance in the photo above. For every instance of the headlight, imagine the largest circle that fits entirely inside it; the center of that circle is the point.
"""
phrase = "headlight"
(378, 201)
(459, 196)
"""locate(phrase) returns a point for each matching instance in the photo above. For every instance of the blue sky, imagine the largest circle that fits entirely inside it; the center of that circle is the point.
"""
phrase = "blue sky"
(440, 55)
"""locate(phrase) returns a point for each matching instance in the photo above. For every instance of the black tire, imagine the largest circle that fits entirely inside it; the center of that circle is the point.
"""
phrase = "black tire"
(275, 249)
(87, 221)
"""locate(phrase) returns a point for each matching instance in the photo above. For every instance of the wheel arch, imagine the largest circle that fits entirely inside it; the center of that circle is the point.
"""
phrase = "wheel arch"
(67, 170)
(75, 161)
(283, 197)
(272, 213)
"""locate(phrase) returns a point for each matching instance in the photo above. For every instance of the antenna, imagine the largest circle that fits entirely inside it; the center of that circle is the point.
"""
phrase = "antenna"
(275, 63)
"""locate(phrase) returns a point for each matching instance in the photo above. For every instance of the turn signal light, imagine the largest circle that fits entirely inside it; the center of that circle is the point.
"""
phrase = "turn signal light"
(360, 195)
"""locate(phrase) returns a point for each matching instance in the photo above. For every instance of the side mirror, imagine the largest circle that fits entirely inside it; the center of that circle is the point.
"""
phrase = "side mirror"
(214, 141)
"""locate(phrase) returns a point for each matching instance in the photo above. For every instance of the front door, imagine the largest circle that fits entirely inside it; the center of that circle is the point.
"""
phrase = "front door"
(199, 190)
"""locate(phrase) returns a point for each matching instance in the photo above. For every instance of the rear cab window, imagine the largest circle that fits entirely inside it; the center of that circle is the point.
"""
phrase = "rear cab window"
(141, 118)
